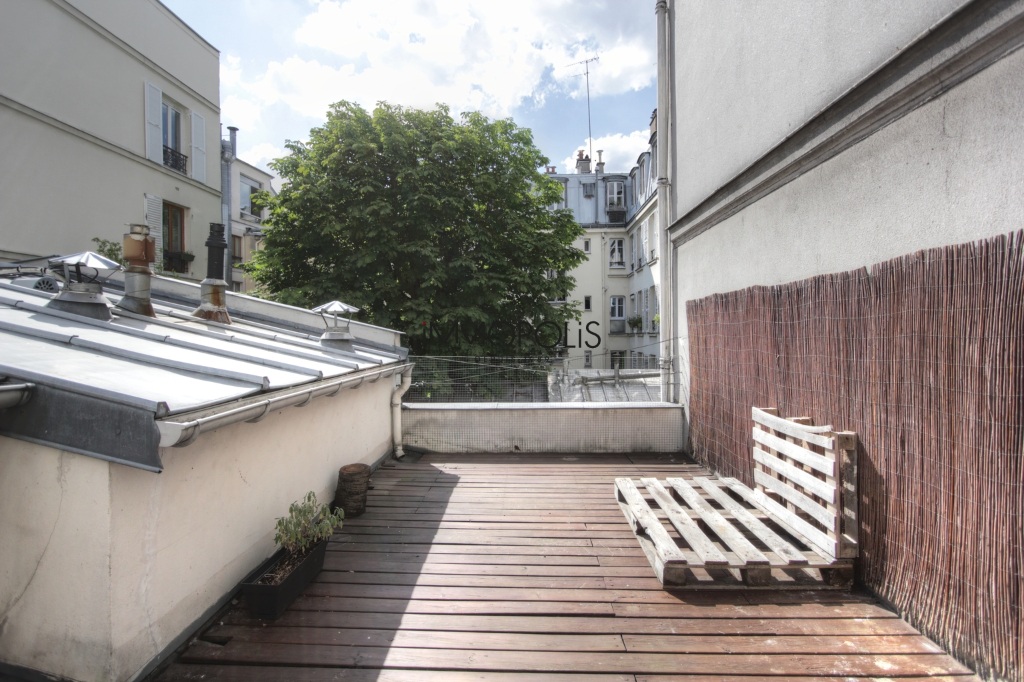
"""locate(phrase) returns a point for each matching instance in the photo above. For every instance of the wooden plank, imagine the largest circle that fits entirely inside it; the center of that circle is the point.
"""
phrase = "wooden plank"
(705, 622)
(191, 672)
(694, 536)
(788, 493)
(789, 554)
(822, 463)
(812, 644)
(736, 542)
(426, 639)
(564, 662)
(658, 546)
(811, 434)
(787, 520)
(819, 487)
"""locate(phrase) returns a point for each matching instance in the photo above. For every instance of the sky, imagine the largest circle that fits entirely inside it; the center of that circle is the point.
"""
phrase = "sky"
(283, 62)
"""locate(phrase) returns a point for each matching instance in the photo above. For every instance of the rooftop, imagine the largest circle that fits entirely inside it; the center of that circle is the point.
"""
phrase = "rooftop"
(522, 568)
(178, 372)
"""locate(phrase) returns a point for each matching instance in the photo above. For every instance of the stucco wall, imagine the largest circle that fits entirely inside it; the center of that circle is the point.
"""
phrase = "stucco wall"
(170, 545)
(747, 74)
(949, 172)
(54, 561)
(540, 427)
(74, 160)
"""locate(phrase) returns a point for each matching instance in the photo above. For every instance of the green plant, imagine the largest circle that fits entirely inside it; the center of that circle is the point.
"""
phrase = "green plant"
(635, 322)
(188, 256)
(308, 522)
(109, 249)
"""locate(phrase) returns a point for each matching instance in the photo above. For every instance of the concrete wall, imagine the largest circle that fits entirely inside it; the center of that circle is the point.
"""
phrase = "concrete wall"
(74, 162)
(538, 427)
(133, 559)
(748, 74)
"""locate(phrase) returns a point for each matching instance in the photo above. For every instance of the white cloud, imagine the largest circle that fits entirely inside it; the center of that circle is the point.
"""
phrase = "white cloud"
(619, 151)
(471, 55)
(261, 154)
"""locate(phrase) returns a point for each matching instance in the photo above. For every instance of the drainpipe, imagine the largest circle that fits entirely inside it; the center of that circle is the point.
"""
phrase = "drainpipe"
(213, 289)
(139, 249)
(396, 411)
(228, 153)
(668, 326)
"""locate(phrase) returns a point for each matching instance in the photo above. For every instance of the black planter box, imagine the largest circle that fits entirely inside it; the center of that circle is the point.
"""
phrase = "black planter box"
(270, 601)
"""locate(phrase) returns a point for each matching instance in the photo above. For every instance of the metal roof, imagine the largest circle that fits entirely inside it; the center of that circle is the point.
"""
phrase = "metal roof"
(163, 380)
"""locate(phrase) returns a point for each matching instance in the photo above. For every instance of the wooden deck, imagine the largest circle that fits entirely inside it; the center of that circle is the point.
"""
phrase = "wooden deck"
(522, 568)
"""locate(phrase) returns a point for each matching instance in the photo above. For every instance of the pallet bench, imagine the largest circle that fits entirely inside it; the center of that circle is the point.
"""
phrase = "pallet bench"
(801, 514)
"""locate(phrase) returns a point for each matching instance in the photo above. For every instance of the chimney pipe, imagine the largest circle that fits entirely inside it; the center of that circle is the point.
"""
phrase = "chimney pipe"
(213, 289)
(599, 166)
(139, 249)
(228, 154)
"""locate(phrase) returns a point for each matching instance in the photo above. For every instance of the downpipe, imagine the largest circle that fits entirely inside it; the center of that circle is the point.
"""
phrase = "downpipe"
(396, 411)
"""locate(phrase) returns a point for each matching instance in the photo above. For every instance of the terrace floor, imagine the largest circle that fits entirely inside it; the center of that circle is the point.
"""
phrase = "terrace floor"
(522, 568)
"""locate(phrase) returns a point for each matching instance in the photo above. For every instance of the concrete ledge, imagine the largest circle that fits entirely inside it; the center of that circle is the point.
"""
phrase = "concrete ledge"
(544, 427)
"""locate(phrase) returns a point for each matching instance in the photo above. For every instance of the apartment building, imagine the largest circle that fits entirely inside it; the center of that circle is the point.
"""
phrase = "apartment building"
(642, 239)
(109, 112)
(598, 202)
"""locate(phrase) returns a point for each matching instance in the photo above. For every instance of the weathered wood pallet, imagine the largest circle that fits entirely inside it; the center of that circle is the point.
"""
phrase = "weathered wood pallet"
(800, 518)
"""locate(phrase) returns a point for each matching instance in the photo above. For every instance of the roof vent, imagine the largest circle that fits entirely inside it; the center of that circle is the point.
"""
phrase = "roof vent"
(339, 335)
(84, 296)
(139, 250)
(213, 289)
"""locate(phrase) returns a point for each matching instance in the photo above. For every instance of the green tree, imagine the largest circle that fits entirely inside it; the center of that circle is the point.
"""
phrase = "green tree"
(437, 227)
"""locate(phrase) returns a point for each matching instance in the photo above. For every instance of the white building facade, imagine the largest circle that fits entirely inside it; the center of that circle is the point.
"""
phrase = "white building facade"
(111, 117)
(598, 202)
(643, 319)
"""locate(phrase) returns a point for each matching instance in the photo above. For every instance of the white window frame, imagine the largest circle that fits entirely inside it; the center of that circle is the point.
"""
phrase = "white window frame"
(616, 246)
(587, 303)
(586, 245)
(615, 191)
(252, 184)
(588, 358)
(617, 308)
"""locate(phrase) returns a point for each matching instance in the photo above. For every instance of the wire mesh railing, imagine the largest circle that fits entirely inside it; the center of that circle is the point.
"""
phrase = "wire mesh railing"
(468, 379)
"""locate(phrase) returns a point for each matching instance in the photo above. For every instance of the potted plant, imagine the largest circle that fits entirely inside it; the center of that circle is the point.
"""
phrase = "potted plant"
(635, 322)
(302, 536)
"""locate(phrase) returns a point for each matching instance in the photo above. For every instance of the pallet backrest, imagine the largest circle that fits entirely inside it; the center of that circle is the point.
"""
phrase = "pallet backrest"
(806, 477)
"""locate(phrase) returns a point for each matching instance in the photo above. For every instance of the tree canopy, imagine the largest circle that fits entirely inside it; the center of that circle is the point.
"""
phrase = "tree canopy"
(437, 227)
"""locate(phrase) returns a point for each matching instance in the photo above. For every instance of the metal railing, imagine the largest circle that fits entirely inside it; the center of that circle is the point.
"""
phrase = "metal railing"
(175, 160)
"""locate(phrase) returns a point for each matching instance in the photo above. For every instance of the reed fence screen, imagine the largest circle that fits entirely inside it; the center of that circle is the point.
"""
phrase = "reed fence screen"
(923, 357)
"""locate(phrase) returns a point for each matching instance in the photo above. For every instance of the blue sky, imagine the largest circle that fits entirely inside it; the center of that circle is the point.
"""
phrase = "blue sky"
(284, 61)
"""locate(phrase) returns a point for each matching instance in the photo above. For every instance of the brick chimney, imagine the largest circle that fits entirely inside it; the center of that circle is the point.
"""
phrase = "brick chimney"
(582, 163)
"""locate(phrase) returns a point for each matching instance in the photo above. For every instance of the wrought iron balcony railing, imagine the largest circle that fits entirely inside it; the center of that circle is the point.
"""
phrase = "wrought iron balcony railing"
(175, 160)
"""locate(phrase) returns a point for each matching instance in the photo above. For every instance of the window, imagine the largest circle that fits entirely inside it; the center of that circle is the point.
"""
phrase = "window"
(654, 235)
(586, 303)
(553, 275)
(656, 314)
(166, 135)
(618, 359)
(643, 238)
(171, 125)
(588, 358)
(175, 258)
(616, 195)
(647, 309)
(586, 246)
(618, 308)
(589, 189)
(615, 257)
(246, 188)
(236, 250)
(632, 251)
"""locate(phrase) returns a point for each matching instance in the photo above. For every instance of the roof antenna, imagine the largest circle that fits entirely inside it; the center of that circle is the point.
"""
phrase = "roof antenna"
(586, 72)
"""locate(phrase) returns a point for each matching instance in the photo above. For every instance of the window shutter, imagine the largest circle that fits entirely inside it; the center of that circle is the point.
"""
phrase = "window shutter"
(198, 148)
(155, 220)
(154, 124)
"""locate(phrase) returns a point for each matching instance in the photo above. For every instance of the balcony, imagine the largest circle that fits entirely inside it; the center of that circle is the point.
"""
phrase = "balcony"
(175, 160)
(522, 567)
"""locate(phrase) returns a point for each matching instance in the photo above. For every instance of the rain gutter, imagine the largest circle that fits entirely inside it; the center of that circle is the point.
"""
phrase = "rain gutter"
(12, 395)
(175, 432)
